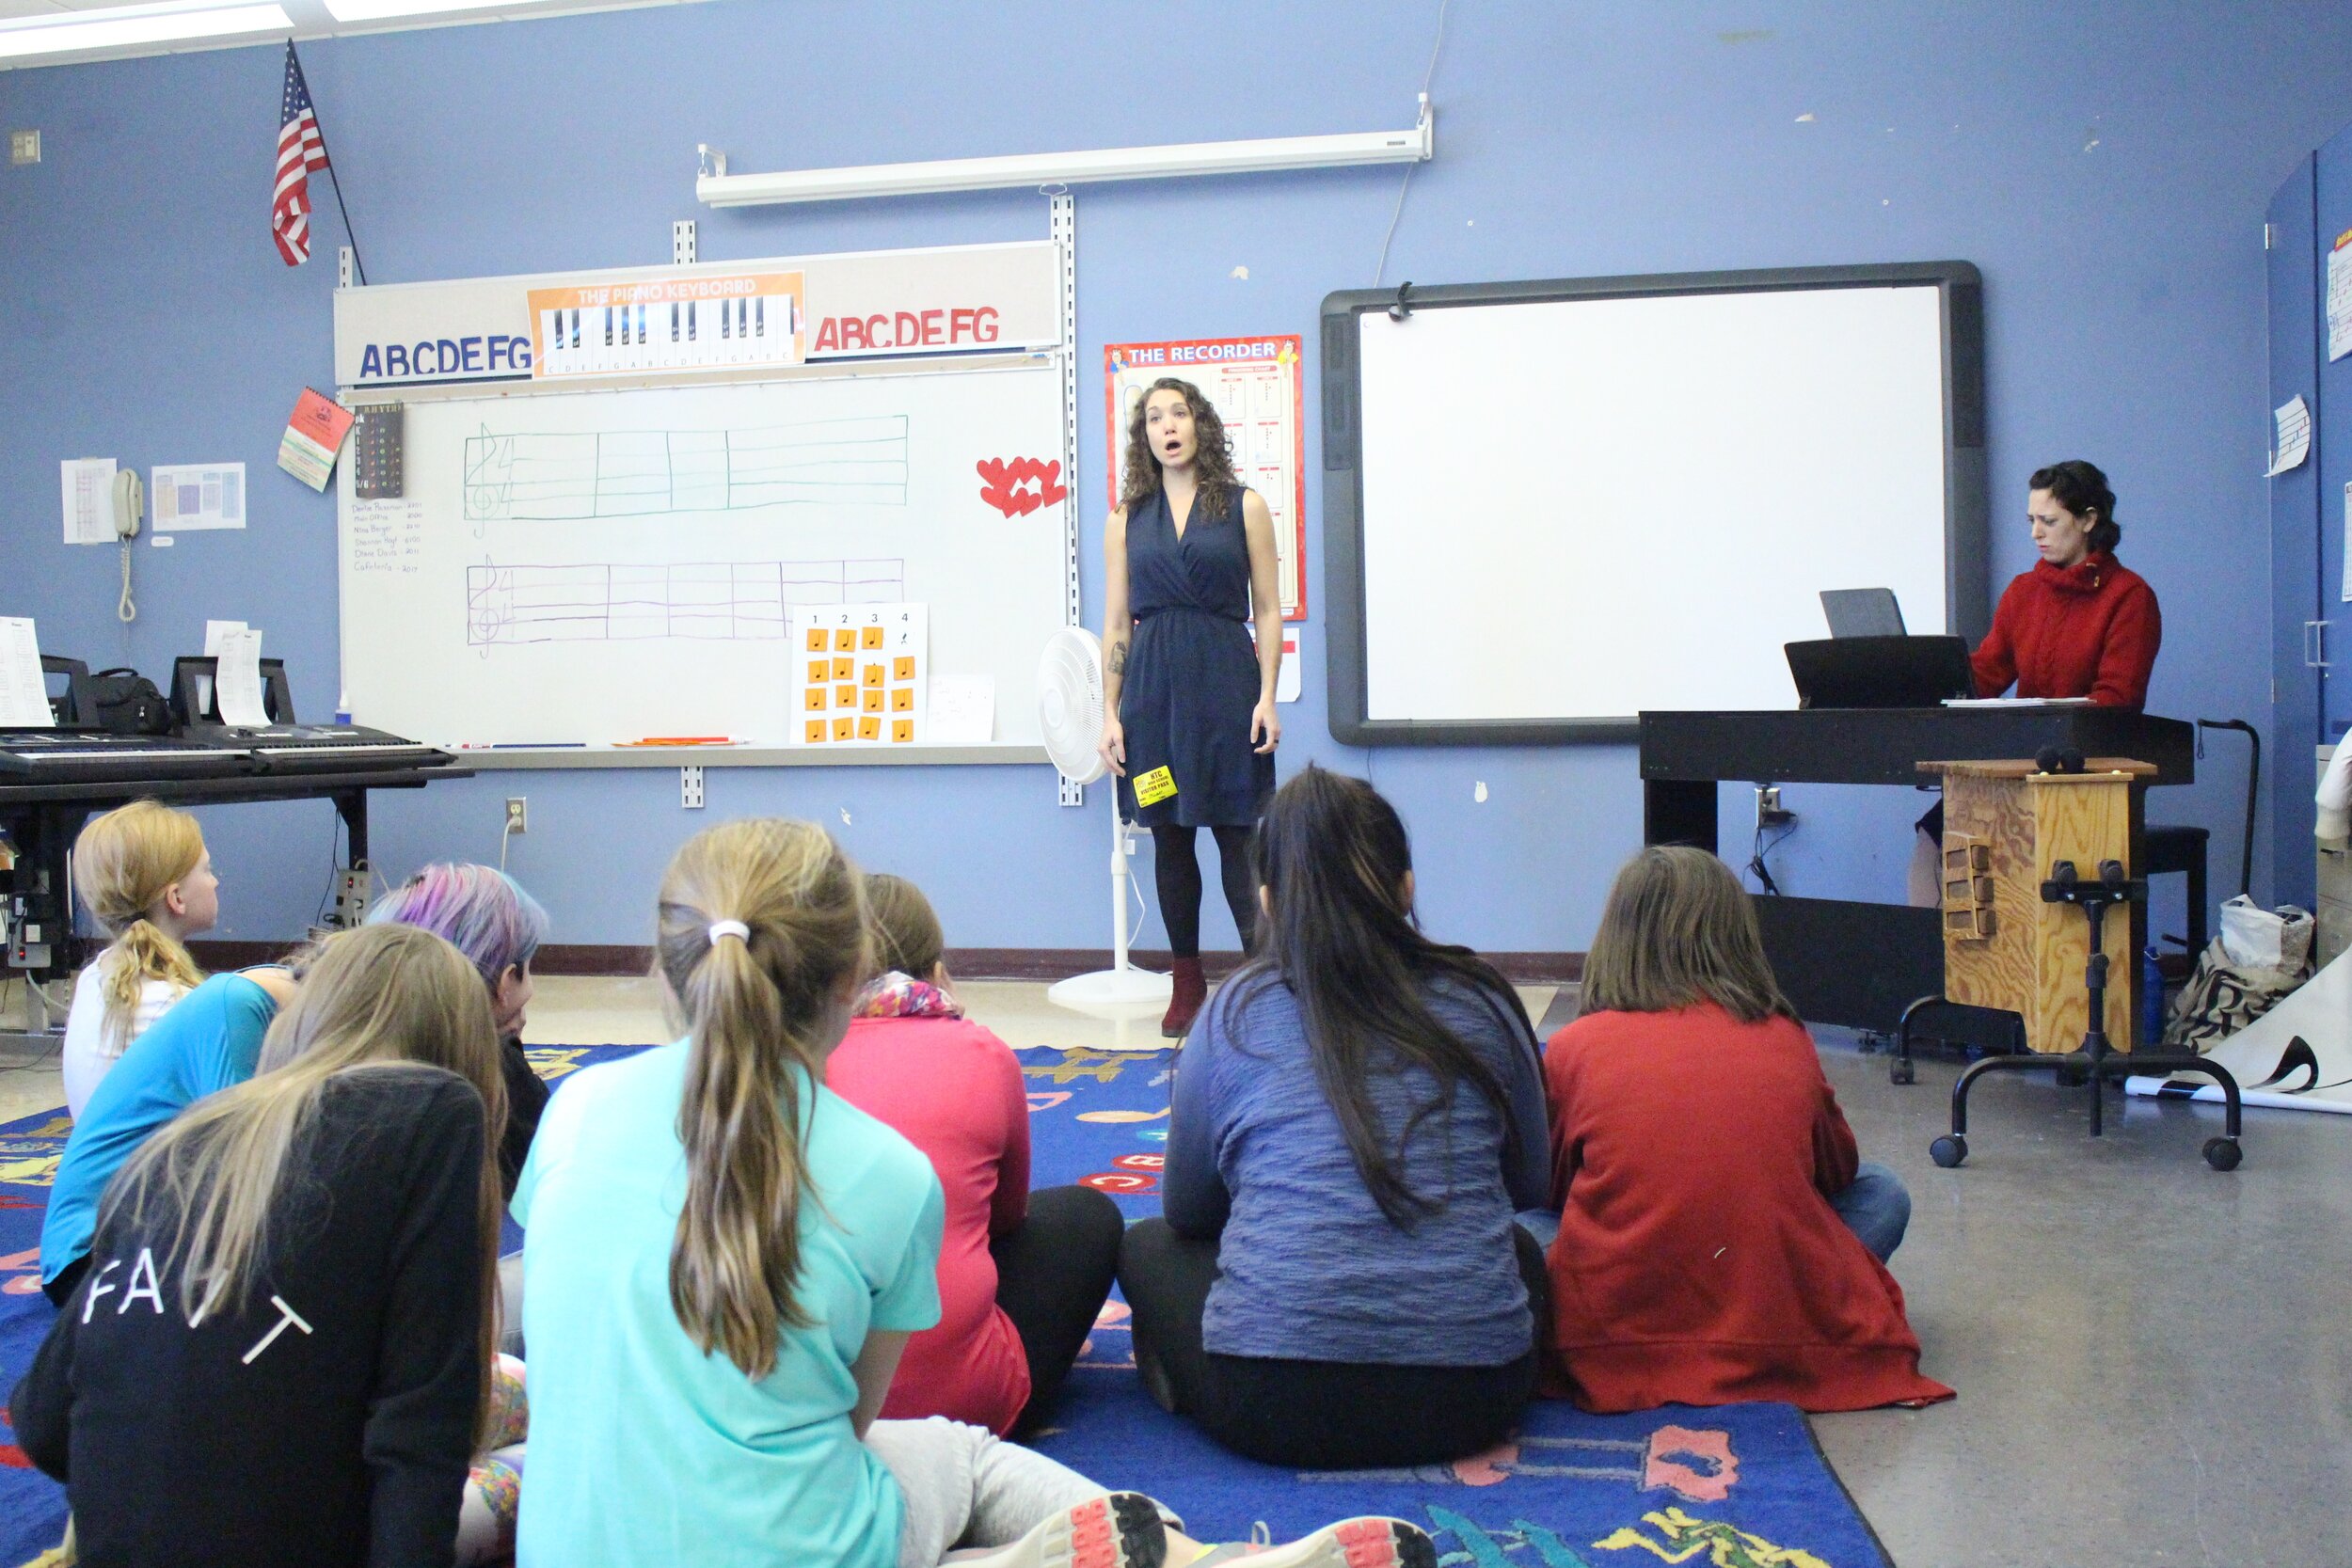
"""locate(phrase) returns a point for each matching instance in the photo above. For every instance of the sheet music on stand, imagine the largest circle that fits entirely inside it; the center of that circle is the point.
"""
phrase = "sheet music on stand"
(239, 679)
(23, 696)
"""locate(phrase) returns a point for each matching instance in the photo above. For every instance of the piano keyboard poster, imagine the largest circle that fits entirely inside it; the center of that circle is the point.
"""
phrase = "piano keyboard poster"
(746, 321)
(862, 671)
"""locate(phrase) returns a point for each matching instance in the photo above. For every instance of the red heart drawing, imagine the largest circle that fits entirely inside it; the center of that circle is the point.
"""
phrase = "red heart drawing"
(1020, 486)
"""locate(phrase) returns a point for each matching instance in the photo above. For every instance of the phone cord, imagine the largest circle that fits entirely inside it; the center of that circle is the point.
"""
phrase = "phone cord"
(125, 610)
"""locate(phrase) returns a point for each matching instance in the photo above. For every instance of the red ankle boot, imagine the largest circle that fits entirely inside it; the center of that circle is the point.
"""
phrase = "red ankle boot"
(1192, 989)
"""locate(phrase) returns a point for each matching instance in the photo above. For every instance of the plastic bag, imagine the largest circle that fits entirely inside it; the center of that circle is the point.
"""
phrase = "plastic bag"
(2222, 997)
(2256, 938)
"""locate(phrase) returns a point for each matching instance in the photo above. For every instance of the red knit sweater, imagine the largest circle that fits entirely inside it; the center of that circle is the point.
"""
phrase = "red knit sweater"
(1699, 1261)
(2087, 630)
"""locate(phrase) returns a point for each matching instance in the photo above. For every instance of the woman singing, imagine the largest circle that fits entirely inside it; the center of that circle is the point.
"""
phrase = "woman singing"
(1189, 724)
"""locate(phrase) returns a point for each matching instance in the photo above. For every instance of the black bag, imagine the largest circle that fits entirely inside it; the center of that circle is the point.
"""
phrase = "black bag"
(128, 702)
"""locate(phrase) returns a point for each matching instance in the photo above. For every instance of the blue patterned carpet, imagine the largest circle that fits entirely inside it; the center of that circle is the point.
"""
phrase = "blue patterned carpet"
(1742, 1486)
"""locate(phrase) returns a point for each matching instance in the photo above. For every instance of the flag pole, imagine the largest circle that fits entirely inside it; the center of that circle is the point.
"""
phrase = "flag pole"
(358, 265)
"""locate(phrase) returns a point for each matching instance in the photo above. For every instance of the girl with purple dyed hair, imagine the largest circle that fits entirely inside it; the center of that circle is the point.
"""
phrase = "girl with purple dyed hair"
(485, 914)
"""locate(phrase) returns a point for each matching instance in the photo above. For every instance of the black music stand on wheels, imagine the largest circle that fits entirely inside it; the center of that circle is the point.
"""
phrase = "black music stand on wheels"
(2097, 1061)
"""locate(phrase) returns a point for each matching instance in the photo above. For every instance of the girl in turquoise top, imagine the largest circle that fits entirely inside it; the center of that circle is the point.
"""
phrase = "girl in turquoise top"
(723, 1261)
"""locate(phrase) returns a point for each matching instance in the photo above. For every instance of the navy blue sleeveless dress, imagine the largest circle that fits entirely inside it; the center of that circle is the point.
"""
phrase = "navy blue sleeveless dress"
(1192, 671)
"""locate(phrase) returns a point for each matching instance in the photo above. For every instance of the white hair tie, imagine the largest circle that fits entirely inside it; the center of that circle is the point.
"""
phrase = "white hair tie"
(728, 928)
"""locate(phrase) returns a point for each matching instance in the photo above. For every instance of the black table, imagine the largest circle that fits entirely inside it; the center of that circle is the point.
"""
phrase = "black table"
(1840, 960)
(43, 818)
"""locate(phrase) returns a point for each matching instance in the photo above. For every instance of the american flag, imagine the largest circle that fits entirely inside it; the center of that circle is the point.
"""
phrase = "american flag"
(299, 151)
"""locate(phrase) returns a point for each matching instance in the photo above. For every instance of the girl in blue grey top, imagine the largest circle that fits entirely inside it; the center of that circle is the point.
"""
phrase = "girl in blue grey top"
(1337, 1280)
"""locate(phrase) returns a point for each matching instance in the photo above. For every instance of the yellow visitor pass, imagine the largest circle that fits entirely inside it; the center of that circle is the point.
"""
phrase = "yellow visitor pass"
(1154, 787)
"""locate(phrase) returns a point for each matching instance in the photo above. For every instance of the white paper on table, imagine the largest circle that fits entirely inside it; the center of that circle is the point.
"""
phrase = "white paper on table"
(238, 683)
(963, 710)
(24, 695)
(2016, 701)
(2294, 420)
(215, 631)
(197, 495)
(2340, 298)
(88, 484)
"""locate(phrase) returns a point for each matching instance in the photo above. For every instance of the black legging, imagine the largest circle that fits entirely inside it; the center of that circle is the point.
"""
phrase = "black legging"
(1314, 1415)
(1053, 1275)
(1178, 872)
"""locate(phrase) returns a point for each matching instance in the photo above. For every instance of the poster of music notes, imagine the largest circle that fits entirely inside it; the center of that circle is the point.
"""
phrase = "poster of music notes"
(860, 674)
(1254, 386)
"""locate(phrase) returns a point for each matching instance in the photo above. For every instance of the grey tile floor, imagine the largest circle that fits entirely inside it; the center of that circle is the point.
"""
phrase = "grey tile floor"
(2155, 1361)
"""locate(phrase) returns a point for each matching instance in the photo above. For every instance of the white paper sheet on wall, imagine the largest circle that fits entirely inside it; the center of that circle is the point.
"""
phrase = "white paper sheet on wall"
(88, 484)
(2293, 444)
(23, 696)
(240, 679)
(198, 495)
(2340, 298)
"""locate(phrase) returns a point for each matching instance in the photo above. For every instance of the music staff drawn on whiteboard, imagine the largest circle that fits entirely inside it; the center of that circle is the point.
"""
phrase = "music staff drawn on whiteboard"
(705, 601)
(558, 478)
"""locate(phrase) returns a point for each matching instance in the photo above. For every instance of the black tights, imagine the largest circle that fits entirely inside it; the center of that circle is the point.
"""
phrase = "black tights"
(1053, 1274)
(1178, 872)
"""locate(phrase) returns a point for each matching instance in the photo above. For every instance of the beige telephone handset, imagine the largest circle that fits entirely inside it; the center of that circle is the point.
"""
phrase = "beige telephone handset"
(130, 508)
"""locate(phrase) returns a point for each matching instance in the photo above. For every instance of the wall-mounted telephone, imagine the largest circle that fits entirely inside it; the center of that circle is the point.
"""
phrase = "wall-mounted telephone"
(130, 509)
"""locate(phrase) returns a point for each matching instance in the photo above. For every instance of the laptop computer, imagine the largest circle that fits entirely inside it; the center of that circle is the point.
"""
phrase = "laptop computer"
(1862, 612)
(1880, 671)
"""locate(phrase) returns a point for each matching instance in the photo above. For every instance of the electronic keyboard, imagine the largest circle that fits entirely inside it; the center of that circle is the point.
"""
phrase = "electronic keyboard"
(320, 748)
(78, 755)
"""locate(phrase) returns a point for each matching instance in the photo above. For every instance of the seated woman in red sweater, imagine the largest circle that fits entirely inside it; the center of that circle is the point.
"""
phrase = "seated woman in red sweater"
(2079, 624)
(1718, 1235)
(1022, 1275)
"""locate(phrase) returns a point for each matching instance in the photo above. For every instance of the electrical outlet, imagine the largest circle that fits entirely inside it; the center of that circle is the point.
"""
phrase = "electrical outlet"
(1769, 811)
(23, 147)
(517, 814)
(690, 788)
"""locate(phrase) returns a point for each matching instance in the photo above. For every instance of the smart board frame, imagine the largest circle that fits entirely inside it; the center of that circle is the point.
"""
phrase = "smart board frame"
(1966, 515)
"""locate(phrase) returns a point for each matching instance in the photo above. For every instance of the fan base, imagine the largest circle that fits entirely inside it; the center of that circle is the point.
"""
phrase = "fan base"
(1116, 993)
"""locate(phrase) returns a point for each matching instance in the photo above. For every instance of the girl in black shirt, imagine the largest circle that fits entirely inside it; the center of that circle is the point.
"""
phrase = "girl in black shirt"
(281, 1351)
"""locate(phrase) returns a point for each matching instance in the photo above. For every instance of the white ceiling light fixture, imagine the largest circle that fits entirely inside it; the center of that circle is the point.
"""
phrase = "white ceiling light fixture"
(132, 26)
(384, 11)
(716, 187)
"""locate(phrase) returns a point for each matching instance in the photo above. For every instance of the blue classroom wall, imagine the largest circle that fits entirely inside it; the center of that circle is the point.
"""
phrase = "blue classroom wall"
(2107, 166)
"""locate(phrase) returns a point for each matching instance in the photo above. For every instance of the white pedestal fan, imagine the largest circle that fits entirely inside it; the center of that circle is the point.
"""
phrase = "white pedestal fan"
(1070, 714)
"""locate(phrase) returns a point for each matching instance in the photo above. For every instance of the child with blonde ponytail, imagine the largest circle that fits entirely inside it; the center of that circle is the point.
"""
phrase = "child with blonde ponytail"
(143, 874)
(724, 1261)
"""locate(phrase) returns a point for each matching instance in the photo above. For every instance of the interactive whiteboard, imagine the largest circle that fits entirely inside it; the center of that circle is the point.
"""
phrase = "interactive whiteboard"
(1553, 506)
(605, 566)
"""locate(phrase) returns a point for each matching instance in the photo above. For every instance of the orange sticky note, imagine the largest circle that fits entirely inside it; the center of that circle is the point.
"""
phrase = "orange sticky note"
(816, 669)
(902, 668)
(844, 640)
(870, 729)
(814, 701)
(872, 700)
(845, 728)
(870, 638)
(815, 734)
(902, 700)
(901, 731)
(845, 696)
(818, 641)
(873, 676)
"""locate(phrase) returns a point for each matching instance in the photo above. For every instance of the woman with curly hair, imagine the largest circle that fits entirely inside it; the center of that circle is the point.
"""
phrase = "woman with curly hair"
(1189, 722)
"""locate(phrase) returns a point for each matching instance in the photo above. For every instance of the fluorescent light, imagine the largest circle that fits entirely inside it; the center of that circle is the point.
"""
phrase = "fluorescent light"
(380, 10)
(721, 189)
(135, 25)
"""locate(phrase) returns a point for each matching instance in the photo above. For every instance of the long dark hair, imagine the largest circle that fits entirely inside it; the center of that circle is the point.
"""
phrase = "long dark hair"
(1212, 462)
(1333, 855)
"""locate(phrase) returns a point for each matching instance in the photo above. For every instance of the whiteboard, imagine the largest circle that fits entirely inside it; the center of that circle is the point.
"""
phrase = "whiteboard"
(605, 566)
(1573, 510)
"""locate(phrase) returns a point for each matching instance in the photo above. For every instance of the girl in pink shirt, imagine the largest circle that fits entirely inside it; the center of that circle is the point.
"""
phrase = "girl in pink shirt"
(1022, 1275)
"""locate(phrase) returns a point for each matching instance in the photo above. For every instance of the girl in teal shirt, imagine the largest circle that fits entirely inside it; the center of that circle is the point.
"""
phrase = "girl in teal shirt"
(723, 1261)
